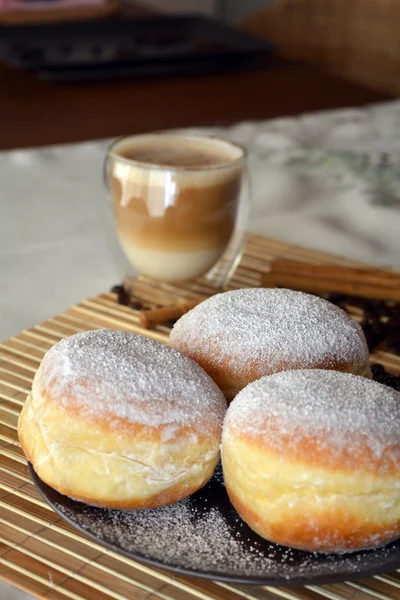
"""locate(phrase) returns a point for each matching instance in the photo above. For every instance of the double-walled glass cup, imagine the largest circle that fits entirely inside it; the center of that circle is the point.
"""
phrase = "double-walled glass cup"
(180, 205)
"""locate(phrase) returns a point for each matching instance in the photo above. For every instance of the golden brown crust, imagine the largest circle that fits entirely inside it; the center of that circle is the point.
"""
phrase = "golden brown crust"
(316, 452)
(108, 423)
(120, 468)
(170, 496)
(240, 336)
(302, 499)
(120, 421)
(323, 531)
(231, 375)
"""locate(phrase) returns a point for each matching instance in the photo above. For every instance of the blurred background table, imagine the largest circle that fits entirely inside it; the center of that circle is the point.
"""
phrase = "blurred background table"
(35, 113)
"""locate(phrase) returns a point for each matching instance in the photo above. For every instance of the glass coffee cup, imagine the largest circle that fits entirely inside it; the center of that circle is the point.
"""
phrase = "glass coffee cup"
(179, 204)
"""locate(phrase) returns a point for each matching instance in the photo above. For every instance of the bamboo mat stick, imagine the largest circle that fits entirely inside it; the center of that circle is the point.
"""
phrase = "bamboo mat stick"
(37, 533)
(368, 283)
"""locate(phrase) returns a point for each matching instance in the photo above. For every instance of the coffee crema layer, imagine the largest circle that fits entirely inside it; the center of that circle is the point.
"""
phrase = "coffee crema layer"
(168, 151)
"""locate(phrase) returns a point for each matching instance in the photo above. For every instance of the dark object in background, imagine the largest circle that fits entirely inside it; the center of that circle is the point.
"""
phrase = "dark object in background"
(123, 297)
(380, 374)
(380, 322)
(123, 46)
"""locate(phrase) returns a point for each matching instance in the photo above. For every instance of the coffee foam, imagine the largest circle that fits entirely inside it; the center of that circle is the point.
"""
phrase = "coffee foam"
(184, 153)
(130, 172)
(163, 149)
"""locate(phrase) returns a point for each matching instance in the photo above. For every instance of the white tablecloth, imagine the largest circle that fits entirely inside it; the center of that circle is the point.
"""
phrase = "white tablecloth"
(330, 181)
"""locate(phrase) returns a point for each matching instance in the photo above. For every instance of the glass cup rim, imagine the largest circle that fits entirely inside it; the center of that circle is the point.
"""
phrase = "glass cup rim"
(187, 136)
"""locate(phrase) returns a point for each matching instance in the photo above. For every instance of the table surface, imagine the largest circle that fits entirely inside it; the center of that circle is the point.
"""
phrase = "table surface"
(34, 113)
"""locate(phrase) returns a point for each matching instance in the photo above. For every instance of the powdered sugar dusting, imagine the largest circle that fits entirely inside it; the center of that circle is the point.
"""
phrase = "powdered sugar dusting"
(275, 327)
(331, 406)
(132, 377)
(204, 535)
(178, 525)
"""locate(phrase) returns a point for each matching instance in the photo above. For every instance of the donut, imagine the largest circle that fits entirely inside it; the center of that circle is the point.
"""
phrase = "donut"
(311, 460)
(240, 336)
(120, 421)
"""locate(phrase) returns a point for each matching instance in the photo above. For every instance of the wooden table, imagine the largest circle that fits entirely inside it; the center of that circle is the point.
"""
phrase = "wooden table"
(34, 112)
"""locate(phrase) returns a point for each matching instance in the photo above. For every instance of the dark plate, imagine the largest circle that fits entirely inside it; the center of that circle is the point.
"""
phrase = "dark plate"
(203, 536)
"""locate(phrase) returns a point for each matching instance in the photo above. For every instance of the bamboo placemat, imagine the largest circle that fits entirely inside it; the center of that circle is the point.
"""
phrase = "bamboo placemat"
(42, 554)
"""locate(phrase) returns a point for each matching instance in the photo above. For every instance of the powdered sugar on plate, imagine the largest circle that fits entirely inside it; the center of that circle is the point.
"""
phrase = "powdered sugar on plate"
(275, 328)
(128, 376)
(338, 409)
(203, 535)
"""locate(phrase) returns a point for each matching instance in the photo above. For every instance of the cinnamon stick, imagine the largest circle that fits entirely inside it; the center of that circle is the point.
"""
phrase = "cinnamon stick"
(366, 282)
(150, 318)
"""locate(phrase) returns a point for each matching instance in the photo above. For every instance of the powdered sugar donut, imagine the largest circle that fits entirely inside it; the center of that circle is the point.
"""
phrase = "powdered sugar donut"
(311, 460)
(240, 336)
(121, 421)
